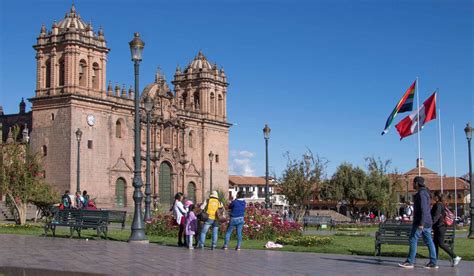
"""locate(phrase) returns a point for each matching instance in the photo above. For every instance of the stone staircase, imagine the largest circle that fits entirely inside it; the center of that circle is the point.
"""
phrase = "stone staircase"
(333, 214)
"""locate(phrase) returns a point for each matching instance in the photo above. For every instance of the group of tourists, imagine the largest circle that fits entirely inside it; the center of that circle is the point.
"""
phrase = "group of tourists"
(195, 224)
(425, 219)
(76, 201)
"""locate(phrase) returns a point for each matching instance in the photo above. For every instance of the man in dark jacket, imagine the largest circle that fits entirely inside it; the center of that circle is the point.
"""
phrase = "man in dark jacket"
(422, 224)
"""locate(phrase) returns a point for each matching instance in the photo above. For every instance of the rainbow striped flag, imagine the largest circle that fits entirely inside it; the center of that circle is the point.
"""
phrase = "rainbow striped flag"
(405, 104)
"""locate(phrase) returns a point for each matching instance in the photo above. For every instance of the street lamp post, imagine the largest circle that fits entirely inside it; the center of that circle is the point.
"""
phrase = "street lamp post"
(138, 227)
(266, 135)
(148, 109)
(78, 173)
(211, 158)
(468, 130)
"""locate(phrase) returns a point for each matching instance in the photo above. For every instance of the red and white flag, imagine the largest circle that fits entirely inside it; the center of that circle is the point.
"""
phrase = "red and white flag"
(426, 113)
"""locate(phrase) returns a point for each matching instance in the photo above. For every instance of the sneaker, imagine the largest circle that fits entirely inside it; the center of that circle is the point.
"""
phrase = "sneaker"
(456, 261)
(190, 248)
(213, 247)
(224, 247)
(406, 265)
(431, 265)
(237, 248)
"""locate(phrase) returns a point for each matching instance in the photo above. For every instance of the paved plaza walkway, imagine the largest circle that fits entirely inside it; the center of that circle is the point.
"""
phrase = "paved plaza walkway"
(30, 255)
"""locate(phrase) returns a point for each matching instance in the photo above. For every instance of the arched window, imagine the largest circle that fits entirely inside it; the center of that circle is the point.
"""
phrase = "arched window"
(95, 75)
(48, 74)
(118, 129)
(44, 150)
(185, 97)
(220, 105)
(190, 139)
(165, 191)
(82, 73)
(120, 196)
(62, 73)
(197, 104)
(212, 104)
(167, 135)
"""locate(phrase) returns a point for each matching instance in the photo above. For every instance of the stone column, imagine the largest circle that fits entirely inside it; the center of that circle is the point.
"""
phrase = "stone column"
(39, 72)
(53, 68)
(89, 72)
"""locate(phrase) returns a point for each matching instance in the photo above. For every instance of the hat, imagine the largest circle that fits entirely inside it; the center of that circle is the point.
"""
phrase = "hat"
(187, 203)
(214, 194)
(419, 180)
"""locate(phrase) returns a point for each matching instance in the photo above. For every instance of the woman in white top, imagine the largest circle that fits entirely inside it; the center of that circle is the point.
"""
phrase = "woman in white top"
(179, 215)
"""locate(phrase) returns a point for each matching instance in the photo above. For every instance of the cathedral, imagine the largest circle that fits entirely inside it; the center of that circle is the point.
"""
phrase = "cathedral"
(189, 128)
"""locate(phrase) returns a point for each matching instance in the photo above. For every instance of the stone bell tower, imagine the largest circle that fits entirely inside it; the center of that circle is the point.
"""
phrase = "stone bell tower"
(201, 96)
(71, 94)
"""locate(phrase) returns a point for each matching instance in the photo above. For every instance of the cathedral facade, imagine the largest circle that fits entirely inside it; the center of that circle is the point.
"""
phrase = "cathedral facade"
(187, 123)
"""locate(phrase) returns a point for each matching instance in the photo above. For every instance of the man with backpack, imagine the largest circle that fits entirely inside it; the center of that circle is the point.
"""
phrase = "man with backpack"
(442, 218)
(421, 226)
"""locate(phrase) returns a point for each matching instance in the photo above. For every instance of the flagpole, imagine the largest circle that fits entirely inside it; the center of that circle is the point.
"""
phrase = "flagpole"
(440, 149)
(455, 176)
(418, 126)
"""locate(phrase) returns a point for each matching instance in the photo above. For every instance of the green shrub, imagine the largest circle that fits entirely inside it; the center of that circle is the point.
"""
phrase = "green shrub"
(305, 240)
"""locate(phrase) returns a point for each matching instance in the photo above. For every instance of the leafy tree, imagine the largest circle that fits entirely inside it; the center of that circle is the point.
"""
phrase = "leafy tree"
(382, 187)
(21, 178)
(348, 184)
(300, 179)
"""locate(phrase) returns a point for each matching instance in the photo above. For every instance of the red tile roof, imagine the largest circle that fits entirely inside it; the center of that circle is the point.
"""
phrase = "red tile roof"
(433, 181)
(239, 180)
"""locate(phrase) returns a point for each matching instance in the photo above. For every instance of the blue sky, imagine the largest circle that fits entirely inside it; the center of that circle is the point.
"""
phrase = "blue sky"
(324, 75)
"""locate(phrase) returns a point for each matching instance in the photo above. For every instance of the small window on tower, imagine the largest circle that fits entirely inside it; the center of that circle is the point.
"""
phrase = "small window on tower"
(118, 129)
(44, 150)
(95, 76)
(89, 144)
(52, 116)
(217, 158)
(82, 73)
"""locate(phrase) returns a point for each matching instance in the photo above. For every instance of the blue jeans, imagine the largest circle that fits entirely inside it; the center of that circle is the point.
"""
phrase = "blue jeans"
(205, 227)
(234, 223)
(427, 238)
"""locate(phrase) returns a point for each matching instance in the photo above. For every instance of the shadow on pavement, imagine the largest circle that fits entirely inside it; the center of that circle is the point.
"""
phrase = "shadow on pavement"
(38, 271)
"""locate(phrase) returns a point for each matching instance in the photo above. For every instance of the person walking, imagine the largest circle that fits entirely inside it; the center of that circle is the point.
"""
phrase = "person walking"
(439, 228)
(237, 212)
(179, 215)
(421, 226)
(210, 207)
(191, 224)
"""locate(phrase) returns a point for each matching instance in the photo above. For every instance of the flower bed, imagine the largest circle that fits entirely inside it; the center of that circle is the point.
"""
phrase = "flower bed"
(162, 224)
(305, 240)
(260, 224)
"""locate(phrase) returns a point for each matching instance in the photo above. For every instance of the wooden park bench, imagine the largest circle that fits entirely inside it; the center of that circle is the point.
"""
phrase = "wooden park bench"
(399, 234)
(117, 217)
(317, 221)
(77, 220)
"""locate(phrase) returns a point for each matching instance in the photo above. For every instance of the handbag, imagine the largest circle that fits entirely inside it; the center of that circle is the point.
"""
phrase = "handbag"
(204, 216)
(221, 215)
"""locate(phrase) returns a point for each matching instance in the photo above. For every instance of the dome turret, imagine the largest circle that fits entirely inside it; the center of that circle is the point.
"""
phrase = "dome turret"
(72, 21)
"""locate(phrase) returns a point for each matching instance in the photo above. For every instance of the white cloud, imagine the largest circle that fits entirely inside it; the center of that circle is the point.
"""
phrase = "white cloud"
(246, 154)
(241, 163)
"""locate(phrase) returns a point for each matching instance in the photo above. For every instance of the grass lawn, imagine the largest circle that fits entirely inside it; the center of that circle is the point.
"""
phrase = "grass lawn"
(341, 244)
